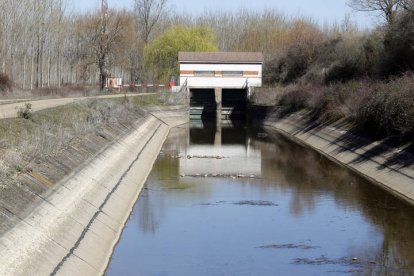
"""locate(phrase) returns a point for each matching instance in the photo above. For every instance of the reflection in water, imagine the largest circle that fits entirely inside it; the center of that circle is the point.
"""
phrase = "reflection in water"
(199, 215)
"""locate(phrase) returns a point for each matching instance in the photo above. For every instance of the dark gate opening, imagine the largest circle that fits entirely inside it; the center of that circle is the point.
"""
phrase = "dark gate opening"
(202, 103)
(234, 103)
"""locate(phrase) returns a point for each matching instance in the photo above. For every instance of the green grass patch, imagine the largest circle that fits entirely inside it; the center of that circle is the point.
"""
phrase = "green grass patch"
(143, 100)
(147, 100)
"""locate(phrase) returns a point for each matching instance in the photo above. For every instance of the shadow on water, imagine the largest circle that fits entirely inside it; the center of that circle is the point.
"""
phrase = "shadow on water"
(310, 174)
(400, 150)
(264, 199)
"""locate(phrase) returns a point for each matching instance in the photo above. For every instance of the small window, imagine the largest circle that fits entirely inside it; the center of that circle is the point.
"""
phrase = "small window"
(205, 73)
(232, 73)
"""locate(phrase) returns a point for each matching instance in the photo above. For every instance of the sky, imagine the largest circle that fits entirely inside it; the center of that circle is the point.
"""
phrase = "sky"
(320, 10)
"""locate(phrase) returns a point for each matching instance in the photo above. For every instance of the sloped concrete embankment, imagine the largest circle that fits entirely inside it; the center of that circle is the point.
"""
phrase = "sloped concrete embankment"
(74, 231)
(390, 168)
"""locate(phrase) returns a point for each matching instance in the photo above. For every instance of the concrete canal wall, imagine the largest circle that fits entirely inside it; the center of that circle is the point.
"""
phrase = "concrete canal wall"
(74, 230)
(390, 168)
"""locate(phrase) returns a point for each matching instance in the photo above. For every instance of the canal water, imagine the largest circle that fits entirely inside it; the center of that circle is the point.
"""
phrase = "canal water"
(237, 200)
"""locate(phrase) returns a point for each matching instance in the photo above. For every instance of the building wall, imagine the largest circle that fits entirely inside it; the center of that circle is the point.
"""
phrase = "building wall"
(191, 72)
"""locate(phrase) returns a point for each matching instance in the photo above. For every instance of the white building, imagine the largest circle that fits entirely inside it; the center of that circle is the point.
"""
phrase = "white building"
(225, 70)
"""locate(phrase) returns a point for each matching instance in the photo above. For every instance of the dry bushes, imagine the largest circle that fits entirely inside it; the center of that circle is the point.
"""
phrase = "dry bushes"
(348, 76)
(295, 98)
(399, 44)
(329, 59)
(267, 96)
(25, 112)
(326, 103)
(387, 108)
(378, 108)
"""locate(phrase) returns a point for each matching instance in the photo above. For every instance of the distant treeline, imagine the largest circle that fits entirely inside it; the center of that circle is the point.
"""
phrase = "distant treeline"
(43, 45)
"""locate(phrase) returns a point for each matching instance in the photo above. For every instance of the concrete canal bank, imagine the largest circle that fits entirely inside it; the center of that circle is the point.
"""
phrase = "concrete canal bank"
(76, 226)
(390, 168)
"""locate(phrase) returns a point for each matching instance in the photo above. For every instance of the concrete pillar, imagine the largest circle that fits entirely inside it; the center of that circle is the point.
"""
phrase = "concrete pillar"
(217, 138)
(218, 95)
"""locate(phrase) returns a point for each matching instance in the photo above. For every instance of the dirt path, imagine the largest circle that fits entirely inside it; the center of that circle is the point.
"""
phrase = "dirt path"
(9, 110)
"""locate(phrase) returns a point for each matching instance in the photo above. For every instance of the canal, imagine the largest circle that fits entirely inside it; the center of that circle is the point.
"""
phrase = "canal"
(237, 200)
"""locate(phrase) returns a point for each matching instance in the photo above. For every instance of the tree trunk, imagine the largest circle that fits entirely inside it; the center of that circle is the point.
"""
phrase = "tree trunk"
(59, 71)
(102, 79)
(32, 72)
(38, 62)
(41, 65)
(49, 69)
(24, 71)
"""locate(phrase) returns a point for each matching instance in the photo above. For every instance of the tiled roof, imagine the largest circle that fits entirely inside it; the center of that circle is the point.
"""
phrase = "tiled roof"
(221, 57)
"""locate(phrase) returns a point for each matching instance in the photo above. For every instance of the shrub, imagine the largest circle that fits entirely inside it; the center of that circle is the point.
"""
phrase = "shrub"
(326, 103)
(25, 112)
(374, 53)
(354, 57)
(296, 98)
(338, 59)
(267, 96)
(271, 72)
(289, 67)
(387, 108)
(399, 45)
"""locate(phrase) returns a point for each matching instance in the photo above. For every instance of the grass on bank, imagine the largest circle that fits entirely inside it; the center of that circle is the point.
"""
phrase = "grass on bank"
(46, 133)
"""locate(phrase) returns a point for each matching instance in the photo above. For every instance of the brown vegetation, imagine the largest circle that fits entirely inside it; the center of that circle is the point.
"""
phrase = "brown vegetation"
(377, 108)
(364, 78)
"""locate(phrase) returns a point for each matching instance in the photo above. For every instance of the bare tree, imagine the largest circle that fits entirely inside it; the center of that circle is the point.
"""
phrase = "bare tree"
(148, 14)
(387, 8)
(101, 36)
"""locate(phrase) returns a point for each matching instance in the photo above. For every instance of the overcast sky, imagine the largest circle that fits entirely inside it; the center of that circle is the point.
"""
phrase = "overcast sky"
(320, 10)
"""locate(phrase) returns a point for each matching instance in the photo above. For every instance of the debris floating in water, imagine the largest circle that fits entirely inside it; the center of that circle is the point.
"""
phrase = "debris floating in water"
(260, 203)
(255, 203)
(289, 246)
(323, 260)
(235, 176)
(204, 157)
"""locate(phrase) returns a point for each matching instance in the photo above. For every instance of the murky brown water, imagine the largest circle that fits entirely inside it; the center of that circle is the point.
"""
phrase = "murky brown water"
(242, 201)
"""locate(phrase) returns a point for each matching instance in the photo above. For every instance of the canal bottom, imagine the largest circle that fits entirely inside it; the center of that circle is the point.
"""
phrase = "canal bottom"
(237, 200)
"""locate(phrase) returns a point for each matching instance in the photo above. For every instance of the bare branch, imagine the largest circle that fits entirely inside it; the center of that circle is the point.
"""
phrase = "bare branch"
(387, 8)
(148, 14)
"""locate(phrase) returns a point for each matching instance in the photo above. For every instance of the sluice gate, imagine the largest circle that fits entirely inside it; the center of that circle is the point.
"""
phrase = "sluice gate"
(208, 103)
